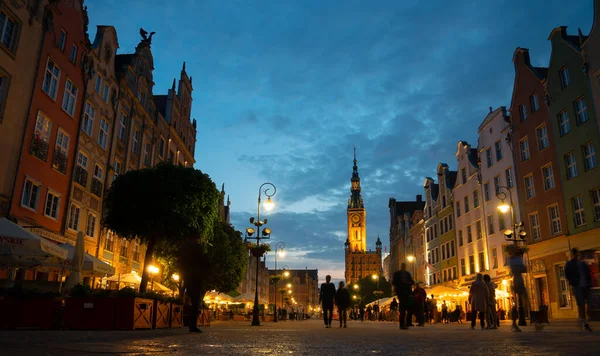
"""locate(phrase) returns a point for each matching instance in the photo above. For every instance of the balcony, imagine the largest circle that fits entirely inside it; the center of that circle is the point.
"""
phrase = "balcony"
(81, 176)
(59, 161)
(96, 187)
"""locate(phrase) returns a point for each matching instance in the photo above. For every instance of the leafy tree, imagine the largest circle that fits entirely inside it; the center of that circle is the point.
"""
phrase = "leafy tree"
(368, 285)
(219, 263)
(161, 205)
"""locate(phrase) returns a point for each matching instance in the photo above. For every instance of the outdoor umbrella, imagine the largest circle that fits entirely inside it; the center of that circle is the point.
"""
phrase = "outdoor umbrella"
(92, 266)
(23, 249)
(76, 263)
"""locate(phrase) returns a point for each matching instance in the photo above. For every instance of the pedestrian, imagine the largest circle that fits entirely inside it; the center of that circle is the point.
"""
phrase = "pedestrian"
(432, 309)
(402, 282)
(394, 309)
(579, 276)
(420, 299)
(478, 298)
(342, 300)
(444, 312)
(491, 317)
(361, 310)
(517, 268)
(326, 298)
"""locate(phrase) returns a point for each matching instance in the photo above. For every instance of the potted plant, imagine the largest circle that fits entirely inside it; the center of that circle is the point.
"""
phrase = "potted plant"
(258, 250)
(133, 312)
(29, 308)
(175, 312)
(86, 309)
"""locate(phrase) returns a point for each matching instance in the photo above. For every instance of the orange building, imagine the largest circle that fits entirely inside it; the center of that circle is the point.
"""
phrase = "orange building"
(44, 173)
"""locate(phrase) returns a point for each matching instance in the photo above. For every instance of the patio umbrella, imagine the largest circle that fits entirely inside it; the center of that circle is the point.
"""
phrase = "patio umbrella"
(24, 249)
(92, 266)
(77, 263)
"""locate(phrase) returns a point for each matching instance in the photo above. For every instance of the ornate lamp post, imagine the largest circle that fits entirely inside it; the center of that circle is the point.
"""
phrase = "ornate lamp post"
(153, 271)
(412, 261)
(516, 235)
(266, 234)
(279, 246)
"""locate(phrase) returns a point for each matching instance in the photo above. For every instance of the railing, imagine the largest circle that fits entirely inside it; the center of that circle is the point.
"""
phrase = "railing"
(81, 176)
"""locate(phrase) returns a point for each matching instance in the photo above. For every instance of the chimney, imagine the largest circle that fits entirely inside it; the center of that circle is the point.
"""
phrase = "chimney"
(419, 198)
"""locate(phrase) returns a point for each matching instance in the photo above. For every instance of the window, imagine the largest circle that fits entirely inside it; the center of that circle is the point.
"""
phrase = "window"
(118, 167)
(490, 221)
(488, 157)
(501, 222)
(498, 147)
(534, 224)
(146, 154)
(31, 193)
(481, 261)
(529, 188)
(62, 38)
(444, 256)
(563, 122)
(565, 78)
(61, 151)
(463, 174)
(509, 180)
(523, 112)
(142, 97)
(460, 238)
(555, 227)
(161, 147)
(571, 165)
(579, 215)
(469, 234)
(74, 212)
(581, 111)
(98, 83)
(497, 184)
(105, 90)
(542, 137)
(136, 250)
(70, 98)
(479, 231)
(103, 133)
(82, 160)
(466, 201)
(124, 248)
(463, 267)
(122, 133)
(533, 102)
(472, 264)
(452, 248)
(135, 144)
(548, 175)
(524, 148)
(457, 209)
(51, 78)
(9, 30)
(41, 136)
(4, 85)
(73, 54)
(98, 172)
(90, 228)
(52, 204)
(475, 199)
(564, 295)
(443, 201)
(486, 191)
(589, 156)
(109, 243)
(494, 257)
(88, 119)
(596, 203)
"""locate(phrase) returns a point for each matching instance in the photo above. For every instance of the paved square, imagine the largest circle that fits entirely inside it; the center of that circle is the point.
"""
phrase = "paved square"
(308, 337)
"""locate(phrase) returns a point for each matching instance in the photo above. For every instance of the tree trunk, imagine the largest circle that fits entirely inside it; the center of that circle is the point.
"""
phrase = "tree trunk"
(147, 259)
(195, 295)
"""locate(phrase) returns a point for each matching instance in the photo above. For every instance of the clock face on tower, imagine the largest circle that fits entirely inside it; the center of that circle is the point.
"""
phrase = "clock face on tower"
(355, 219)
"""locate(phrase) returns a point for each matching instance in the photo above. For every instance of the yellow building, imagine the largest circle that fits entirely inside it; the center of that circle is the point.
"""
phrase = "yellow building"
(360, 262)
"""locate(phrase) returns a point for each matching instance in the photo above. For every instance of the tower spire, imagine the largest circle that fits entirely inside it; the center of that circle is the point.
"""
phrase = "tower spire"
(355, 197)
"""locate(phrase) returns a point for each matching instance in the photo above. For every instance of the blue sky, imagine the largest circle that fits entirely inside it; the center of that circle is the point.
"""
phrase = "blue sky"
(283, 90)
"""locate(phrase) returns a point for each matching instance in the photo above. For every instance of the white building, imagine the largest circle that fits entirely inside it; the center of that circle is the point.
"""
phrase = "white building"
(470, 217)
(497, 175)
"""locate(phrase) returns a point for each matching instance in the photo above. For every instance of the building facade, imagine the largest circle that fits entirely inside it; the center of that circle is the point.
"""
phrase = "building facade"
(430, 224)
(19, 52)
(446, 257)
(304, 287)
(418, 266)
(360, 262)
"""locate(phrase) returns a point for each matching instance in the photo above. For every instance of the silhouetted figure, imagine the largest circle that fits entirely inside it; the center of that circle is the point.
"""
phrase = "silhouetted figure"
(327, 297)
(342, 300)
(402, 282)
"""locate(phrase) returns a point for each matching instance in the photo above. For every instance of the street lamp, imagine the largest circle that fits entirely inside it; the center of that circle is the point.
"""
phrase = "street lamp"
(266, 234)
(376, 277)
(175, 277)
(279, 249)
(516, 235)
(412, 259)
(153, 270)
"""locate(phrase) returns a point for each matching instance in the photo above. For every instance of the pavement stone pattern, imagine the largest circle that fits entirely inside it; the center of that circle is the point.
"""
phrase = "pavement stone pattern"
(308, 337)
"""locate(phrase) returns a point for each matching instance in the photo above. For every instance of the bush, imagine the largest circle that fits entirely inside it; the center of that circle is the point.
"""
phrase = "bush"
(127, 292)
(33, 293)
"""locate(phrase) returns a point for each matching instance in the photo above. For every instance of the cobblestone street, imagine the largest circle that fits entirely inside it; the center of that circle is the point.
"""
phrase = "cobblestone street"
(307, 338)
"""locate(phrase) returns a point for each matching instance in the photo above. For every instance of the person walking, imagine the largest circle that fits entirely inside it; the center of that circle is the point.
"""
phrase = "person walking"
(579, 276)
(420, 300)
(517, 268)
(444, 313)
(342, 300)
(491, 315)
(478, 298)
(394, 309)
(326, 298)
(402, 282)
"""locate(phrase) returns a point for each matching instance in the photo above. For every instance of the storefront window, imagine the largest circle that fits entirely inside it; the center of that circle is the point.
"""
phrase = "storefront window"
(564, 297)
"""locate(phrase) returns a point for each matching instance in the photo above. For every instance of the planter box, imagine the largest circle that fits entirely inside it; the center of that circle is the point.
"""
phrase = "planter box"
(204, 317)
(160, 318)
(175, 316)
(38, 313)
(91, 313)
(133, 313)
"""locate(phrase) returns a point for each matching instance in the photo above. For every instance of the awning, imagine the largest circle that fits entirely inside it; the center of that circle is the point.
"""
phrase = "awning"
(249, 298)
(446, 292)
(21, 248)
(214, 296)
(382, 302)
(91, 265)
(134, 278)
